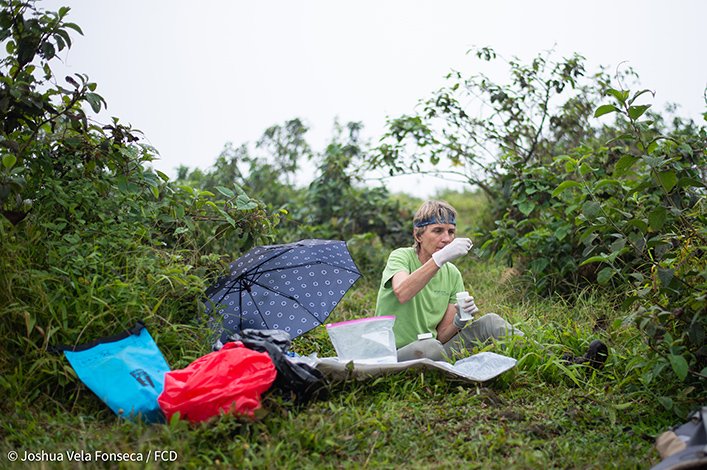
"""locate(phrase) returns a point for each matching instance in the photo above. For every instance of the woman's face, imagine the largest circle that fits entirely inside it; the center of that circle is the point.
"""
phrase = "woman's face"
(434, 238)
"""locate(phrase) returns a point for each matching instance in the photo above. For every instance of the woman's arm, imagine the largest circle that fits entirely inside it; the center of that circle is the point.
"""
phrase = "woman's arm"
(446, 329)
(406, 286)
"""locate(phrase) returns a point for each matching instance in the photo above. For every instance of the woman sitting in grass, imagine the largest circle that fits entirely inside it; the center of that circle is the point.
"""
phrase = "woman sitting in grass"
(420, 285)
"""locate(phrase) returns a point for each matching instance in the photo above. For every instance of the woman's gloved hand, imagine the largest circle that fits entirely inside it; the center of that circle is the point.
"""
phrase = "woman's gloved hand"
(466, 309)
(457, 248)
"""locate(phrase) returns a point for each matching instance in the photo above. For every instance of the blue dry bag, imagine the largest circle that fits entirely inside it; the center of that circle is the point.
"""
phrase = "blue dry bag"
(126, 371)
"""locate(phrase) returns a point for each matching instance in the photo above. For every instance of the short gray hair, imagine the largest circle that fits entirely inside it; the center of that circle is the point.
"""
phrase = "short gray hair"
(437, 211)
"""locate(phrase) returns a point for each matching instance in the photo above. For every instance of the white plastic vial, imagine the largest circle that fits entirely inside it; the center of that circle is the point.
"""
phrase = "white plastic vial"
(460, 297)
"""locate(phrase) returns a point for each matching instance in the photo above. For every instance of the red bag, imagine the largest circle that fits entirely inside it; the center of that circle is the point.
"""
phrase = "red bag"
(229, 380)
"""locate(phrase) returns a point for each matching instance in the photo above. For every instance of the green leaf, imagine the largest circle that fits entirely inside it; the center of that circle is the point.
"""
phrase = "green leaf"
(656, 218)
(630, 137)
(9, 160)
(621, 95)
(65, 36)
(225, 191)
(639, 93)
(562, 232)
(687, 182)
(584, 169)
(244, 203)
(605, 274)
(75, 27)
(679, 365)
(180, 230)
(595, 259)
(526, 207)
(634, 112)
(228, 218)
(666, 276)
(605, 109)
(656, 162)
(618, 245)
(95, 101)
(605, 182)
(624, 164)
(26, 48)
(667, 179)
(564, 185)
(174, 420)
(591, 210)
(667, 402)
(249, 206)
(60, 43)
(186, 188)
(48, 50)
(538, 265)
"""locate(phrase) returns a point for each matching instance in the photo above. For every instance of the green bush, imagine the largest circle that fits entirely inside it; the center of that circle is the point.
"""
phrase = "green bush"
(335, 205)
(629, 216)
(370, 256)
(90, 238)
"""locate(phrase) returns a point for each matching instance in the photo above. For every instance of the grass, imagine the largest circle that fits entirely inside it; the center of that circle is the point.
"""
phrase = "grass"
(541, 414)
(395, 422)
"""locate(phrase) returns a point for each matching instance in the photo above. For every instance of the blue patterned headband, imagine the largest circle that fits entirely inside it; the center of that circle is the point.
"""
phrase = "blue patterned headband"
(435, 220)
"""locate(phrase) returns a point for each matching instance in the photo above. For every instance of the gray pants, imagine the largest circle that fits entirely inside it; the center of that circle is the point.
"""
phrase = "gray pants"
(490, 326)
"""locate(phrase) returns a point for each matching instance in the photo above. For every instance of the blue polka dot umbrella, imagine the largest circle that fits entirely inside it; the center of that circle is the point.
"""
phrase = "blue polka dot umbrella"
(292, 287)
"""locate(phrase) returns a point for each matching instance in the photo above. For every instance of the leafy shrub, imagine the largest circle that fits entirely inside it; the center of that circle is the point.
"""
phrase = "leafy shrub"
(629, 216)
(486, 133)
(92, 239)
(370, 256)
(336, 204)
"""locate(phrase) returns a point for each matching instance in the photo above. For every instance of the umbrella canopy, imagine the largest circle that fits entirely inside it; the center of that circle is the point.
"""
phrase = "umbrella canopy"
(292, 287)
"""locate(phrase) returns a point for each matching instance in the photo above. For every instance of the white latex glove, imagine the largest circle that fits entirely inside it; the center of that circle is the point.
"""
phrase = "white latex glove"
(466, 309)
(459, 247)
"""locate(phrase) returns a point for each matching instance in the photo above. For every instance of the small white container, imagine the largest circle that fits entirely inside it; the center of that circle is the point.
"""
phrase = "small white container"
(460, 297)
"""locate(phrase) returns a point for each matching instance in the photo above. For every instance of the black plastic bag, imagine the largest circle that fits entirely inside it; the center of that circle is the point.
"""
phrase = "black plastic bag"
(302, 380)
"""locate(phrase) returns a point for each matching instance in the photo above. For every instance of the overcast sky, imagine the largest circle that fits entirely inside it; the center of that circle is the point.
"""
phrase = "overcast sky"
(195, 75)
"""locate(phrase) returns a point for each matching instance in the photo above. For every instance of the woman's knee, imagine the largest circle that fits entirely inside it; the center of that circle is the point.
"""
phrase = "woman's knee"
(429, 348)
(496, 326)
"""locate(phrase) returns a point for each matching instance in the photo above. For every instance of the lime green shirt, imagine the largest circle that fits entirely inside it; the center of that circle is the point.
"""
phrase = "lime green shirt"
(422, 313)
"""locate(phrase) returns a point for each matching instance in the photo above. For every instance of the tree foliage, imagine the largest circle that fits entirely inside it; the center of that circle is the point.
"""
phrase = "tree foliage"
(618, 205)
(91, 238)
(335, 204)
(485, 133)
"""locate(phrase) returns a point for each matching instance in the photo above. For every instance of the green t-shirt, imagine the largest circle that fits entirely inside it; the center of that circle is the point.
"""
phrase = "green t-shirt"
(422, 313)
